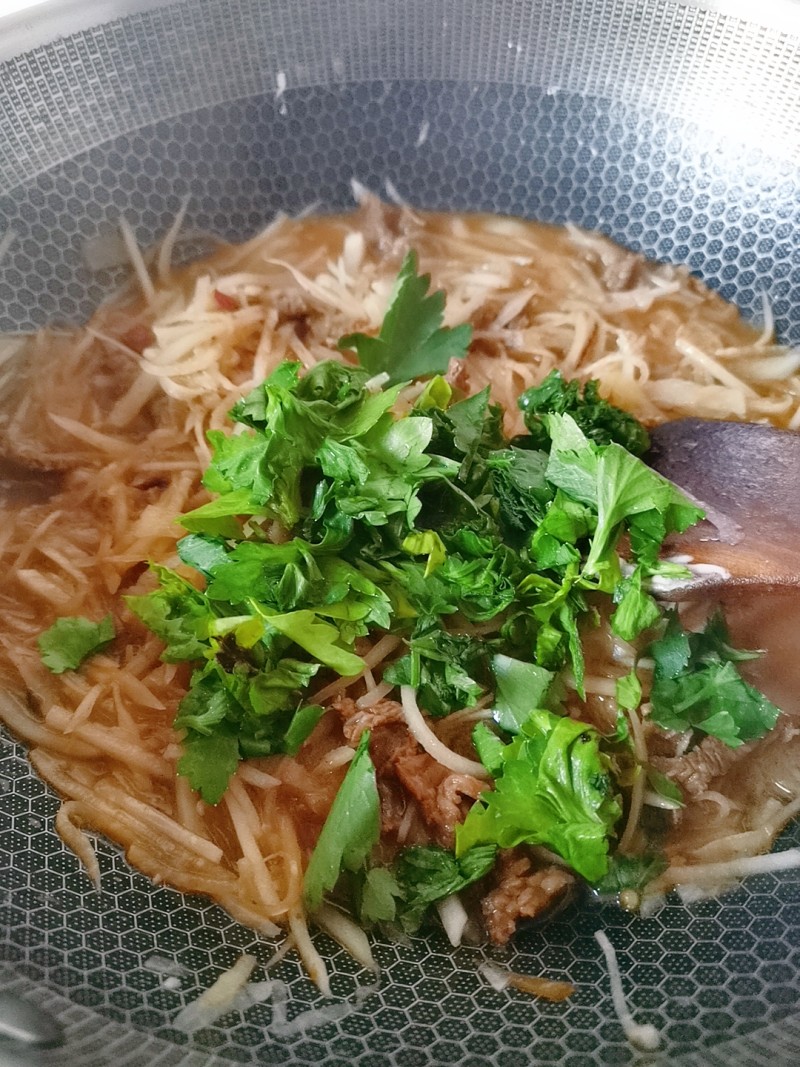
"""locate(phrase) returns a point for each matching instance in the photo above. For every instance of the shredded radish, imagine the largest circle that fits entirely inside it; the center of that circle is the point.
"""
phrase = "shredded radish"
(306, 1021)
(642, 1035)
(164, 965)
(339, 756)
(348, 934)
(165, 252)
(742, 867)
(218, 999)
(68, 825)
(454, 918)
(137, 262)
(496, 977)
(248, 773)
(372, 697)
(423, 734)
(312, 961)
(374, 385)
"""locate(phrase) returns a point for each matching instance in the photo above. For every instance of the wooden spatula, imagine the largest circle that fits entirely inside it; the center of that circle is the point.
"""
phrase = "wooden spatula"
(747, 477)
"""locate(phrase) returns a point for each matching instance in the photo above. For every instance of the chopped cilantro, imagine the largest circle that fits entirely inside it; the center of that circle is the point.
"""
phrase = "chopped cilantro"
(350, 832)
(426, 873)
(696, 685)
(449, 671)
(628, 691)
(630, 872)
(599, 420)
(668, 792)
(208, 761)
(520, 687)
(553, 787)
(412, 342)
(71, 640)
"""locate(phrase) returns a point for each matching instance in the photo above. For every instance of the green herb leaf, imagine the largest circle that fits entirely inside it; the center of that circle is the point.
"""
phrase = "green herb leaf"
(321, 639)
(72, 639)
(278, 689)
(427, 873)
(625, 488)
(630, 872)
(378, 895)
(628, 691)
(520, 487)
(521, 687)
(412, 342)
(669, 792)
(448, 671)
(600, 421)
(350, 832)
(208, 761)
(696, 685)
(636, 609)
(202, 552)
(178, 614)
(554, 790)
(426, 543)
(299, 729)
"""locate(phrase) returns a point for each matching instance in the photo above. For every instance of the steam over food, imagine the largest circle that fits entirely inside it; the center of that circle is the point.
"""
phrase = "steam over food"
(341, 605)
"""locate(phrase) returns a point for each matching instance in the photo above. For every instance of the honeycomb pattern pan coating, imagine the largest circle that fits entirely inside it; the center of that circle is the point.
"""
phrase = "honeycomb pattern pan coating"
(669, 126)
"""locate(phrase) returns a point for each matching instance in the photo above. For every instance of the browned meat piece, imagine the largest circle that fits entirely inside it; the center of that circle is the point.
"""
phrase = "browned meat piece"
(698, 768)
(440, 794)
(138, 337)
(356, 720)
(455, 795)
(400, 763)
(389, 741)
(394, 804)
(521, 893)
(662, 743)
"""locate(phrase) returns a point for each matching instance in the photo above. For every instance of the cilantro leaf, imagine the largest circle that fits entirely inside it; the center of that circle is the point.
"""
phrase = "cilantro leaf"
(600, 421)
(319, 638)
(669, 793)
(553, 789)
(426, 543)
(696, 685)
(489, 747)
(377, 896)
(630, 872)
(177, 613)
(449, 671)
(636, 609)
(351, 829)
(521, 687)
(299, 729)
(275, 690)
(426, 873)
(520, 487)
(476, 427)
(202, 552)
(412, 343)
(208, 702)
(208, 761)
(628, 691)
(72, 639)
(627, 487)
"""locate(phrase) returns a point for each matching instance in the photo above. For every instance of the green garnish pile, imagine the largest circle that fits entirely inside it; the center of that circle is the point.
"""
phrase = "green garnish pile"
(424, 525)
